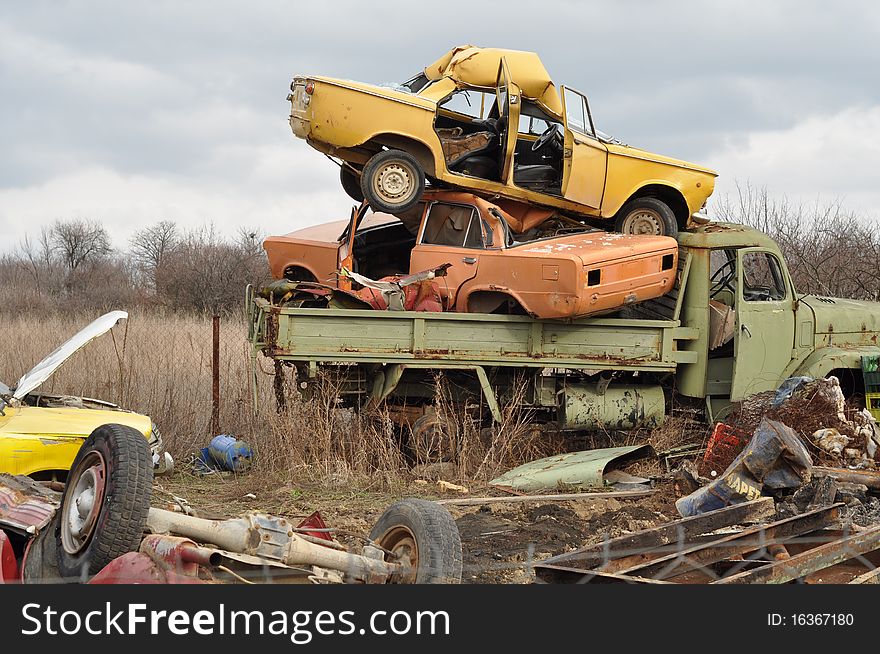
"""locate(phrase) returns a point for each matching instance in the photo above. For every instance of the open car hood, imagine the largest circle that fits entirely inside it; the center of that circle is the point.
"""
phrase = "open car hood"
(44, 369)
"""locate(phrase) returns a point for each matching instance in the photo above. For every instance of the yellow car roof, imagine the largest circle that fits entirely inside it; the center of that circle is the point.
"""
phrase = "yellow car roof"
(474, 66)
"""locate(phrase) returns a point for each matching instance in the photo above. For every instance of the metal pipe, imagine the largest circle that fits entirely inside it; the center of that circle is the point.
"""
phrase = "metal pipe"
(234, 535)
(215, 377)
(271, 538)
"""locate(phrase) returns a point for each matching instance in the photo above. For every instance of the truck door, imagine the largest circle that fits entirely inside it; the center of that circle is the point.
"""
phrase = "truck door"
(764, 323)
(451, 233)
(585, 158)
(507, 94)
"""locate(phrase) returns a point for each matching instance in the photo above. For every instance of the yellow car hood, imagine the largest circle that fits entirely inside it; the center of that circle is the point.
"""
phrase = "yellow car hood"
(66, 421)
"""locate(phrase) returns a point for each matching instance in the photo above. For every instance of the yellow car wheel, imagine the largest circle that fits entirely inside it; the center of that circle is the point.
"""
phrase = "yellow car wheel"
(647, 216)
(392, 181)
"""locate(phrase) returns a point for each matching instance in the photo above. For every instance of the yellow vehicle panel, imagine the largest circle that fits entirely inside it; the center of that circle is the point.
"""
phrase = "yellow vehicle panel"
(355, 122)
(34, 439)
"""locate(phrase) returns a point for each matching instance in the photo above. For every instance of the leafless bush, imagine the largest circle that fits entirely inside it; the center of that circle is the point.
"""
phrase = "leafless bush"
(829, 250)
(206, 272)
(71, 266)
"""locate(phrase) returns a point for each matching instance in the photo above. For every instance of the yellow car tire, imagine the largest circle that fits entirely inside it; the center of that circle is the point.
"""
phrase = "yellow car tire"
(351, 183)
(392, 181)
(646, 215)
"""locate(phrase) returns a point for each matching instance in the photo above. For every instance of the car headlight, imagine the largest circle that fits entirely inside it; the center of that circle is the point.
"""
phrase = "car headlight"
(163, 464)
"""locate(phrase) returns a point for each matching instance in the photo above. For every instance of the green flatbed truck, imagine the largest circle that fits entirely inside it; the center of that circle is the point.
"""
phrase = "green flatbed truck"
(734, 325)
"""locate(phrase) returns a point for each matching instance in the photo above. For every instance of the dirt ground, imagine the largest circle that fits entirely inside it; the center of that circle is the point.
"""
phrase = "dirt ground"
(500, 541)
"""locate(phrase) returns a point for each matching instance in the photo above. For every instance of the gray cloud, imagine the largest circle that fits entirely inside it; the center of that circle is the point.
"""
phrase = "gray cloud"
(131, 110)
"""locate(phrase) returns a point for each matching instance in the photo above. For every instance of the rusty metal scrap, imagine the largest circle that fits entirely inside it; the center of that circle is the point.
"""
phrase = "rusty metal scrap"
(709, 548)
(26, 506)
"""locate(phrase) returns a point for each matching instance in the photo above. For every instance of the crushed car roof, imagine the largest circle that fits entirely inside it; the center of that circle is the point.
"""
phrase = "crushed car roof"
(474, 66)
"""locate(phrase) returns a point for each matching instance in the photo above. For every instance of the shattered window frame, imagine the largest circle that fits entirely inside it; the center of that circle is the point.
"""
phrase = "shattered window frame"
(417, 83)
(475, 100)
(475, 214)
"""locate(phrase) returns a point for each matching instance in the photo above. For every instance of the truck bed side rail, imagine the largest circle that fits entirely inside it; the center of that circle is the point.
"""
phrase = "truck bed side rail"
(364, 336)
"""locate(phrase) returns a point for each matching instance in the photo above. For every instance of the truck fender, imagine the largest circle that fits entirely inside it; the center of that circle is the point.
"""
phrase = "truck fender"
(825, 359)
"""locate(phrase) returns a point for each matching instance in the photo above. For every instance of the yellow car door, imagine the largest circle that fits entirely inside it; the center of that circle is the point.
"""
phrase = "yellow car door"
(508, 97)
(586, 157)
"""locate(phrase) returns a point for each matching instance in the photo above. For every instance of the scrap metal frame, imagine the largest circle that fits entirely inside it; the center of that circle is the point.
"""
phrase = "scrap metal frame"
(683, 551)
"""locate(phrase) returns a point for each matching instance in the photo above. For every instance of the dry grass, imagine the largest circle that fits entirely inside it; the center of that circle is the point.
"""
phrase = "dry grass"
(160, 365)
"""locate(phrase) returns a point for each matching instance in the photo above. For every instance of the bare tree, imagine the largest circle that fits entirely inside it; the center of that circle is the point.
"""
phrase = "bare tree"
(37, 257)
(208, 273)
(828, 250)
(79, 241)
(150, 247)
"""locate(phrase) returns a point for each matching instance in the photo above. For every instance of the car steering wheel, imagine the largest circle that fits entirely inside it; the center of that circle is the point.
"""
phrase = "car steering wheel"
(718, 281)
(548, 134)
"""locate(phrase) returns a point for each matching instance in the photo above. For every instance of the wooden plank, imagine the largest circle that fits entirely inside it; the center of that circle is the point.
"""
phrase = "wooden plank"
(869, 478)
(809, 561)
(681, 531)
(476, 501)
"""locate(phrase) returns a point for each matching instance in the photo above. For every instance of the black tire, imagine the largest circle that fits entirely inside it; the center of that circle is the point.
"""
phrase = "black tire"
(121, 456)
(425, 533)
(646, 216)
(392, 181)
(351, 183)
(431, 439)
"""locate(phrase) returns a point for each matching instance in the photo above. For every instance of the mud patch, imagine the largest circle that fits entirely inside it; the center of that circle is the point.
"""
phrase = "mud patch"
(501, 542)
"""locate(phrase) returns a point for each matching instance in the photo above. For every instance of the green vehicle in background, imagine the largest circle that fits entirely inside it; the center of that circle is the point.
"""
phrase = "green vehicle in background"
(734, 325)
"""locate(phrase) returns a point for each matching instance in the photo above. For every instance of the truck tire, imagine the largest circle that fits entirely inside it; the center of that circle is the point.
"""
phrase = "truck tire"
(432, 441)
(423, 536)
(351, 183)
(105, 504)
(646, 216)
(392, 181)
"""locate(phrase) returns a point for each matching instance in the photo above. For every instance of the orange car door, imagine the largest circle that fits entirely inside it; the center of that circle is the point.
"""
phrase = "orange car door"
(507, 94)
(586, 157)
(450, 233)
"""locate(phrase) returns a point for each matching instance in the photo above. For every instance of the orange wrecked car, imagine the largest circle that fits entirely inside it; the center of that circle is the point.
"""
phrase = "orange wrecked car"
(505, 257)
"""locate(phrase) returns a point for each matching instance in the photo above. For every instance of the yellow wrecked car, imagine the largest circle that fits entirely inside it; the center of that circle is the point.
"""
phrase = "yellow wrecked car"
(40, 434)
(493, 122)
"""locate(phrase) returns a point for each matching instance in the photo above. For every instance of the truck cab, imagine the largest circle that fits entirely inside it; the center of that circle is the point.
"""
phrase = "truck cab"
(754, 328)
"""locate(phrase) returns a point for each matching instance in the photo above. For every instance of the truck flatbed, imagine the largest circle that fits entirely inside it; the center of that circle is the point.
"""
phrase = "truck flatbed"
(448, 339)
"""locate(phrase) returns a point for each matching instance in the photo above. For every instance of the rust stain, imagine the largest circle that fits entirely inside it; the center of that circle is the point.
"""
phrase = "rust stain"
(25, 505)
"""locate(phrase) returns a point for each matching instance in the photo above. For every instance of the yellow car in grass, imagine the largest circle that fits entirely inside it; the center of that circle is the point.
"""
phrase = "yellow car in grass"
(40, 434)
(492, 122)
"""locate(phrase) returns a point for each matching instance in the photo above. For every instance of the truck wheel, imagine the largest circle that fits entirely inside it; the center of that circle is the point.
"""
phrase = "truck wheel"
(424, 537)
(646, 216)
(106, 500)
(351, 183)
(392, 181)
(432, 441)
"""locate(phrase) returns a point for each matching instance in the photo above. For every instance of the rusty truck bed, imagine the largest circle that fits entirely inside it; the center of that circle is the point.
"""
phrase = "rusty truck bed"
(441, 340)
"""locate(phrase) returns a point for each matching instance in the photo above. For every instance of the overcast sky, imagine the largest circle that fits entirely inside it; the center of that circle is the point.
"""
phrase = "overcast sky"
(139, 111)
